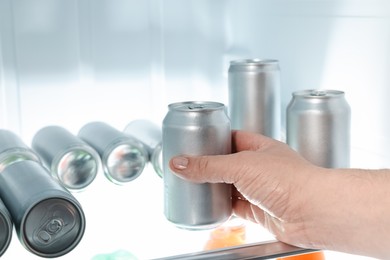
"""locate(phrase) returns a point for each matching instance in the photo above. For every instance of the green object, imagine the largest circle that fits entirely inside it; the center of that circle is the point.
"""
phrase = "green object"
(117, 255)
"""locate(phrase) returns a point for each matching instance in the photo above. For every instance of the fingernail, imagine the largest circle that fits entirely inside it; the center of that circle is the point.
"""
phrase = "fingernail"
(180, 163)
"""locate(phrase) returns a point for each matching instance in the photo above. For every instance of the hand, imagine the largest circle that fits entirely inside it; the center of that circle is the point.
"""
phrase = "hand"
(267, 175)
(300, 203)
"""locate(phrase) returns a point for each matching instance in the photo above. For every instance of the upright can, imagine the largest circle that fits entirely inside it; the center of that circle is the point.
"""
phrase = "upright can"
(254, 96)
(318, 127)
(195, 128)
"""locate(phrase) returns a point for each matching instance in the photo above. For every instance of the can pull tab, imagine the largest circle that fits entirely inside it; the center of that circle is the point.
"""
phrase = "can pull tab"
(57, 221)
(52, 228)
(318, 93)
(196, 106)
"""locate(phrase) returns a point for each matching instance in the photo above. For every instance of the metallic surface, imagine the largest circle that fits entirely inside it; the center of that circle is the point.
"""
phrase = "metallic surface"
(48, 219)
(13, 149)
(195, 128)
(318, 127)
(151, 137)
(123, 157)
(72, 161)
(254, 96)
(6, 228)
(265, 250)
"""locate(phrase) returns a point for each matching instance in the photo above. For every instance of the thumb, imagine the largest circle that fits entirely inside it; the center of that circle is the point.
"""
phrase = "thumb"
(209, 168)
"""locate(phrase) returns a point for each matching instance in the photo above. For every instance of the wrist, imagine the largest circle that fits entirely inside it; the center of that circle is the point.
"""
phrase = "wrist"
(347, 212)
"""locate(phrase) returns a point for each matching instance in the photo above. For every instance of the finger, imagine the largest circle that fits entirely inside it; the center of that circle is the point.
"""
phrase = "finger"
(243, 140)
(212, 168)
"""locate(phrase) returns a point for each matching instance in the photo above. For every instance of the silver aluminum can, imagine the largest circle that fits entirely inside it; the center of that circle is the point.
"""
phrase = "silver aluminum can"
(123, 157)
(318, 127)
(254, 96)
(70, 160)
(13, 149)
(6, 228)
(48, 220)
(150, 135)
(195, 128)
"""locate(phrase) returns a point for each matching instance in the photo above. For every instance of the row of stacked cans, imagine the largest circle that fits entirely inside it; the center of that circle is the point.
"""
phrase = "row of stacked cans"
(75, 160)
(48, 220)
(318, 125)
(317, 121)
(36, 183)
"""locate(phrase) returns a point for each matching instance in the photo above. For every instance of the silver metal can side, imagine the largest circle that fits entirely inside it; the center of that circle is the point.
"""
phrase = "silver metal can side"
(195, 128)
(123, 157)
(13, 149)
(150, 135)
(71, 161)
(318, 127)
(254, 96)
(48, 220)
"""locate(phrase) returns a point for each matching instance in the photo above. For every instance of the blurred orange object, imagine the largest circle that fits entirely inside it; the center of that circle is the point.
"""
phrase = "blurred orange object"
(227, 235)
(309, 256)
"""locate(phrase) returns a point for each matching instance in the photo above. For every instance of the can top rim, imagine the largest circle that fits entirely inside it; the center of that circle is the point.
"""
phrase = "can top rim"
(196, 106)
(318, 93)
(249, 62)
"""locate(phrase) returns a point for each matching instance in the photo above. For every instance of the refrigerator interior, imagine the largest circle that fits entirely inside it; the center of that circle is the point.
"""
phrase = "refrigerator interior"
(70, 62)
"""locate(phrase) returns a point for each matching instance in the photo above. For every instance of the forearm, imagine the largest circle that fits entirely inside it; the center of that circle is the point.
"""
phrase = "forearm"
(354, 208)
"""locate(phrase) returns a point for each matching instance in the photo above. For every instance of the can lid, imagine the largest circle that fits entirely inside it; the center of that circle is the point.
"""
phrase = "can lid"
(53, 227)
(318, 93)
(196, 106)
(5, 232)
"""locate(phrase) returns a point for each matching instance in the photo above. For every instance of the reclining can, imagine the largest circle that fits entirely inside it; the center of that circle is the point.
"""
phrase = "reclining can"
(69, 159)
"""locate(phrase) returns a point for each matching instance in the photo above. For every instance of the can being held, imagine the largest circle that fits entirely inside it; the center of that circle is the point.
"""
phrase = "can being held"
(48, 219)
(6, 228)
(123, 157)
(72, 161)
(254, 96)
(318, 127)
(150, 135)
(195, 128)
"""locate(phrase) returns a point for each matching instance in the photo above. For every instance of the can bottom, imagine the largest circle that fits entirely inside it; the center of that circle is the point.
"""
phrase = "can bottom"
(199, 227)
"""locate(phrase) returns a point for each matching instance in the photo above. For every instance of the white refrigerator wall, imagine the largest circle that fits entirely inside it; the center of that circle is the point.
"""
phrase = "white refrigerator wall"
(69, 62)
